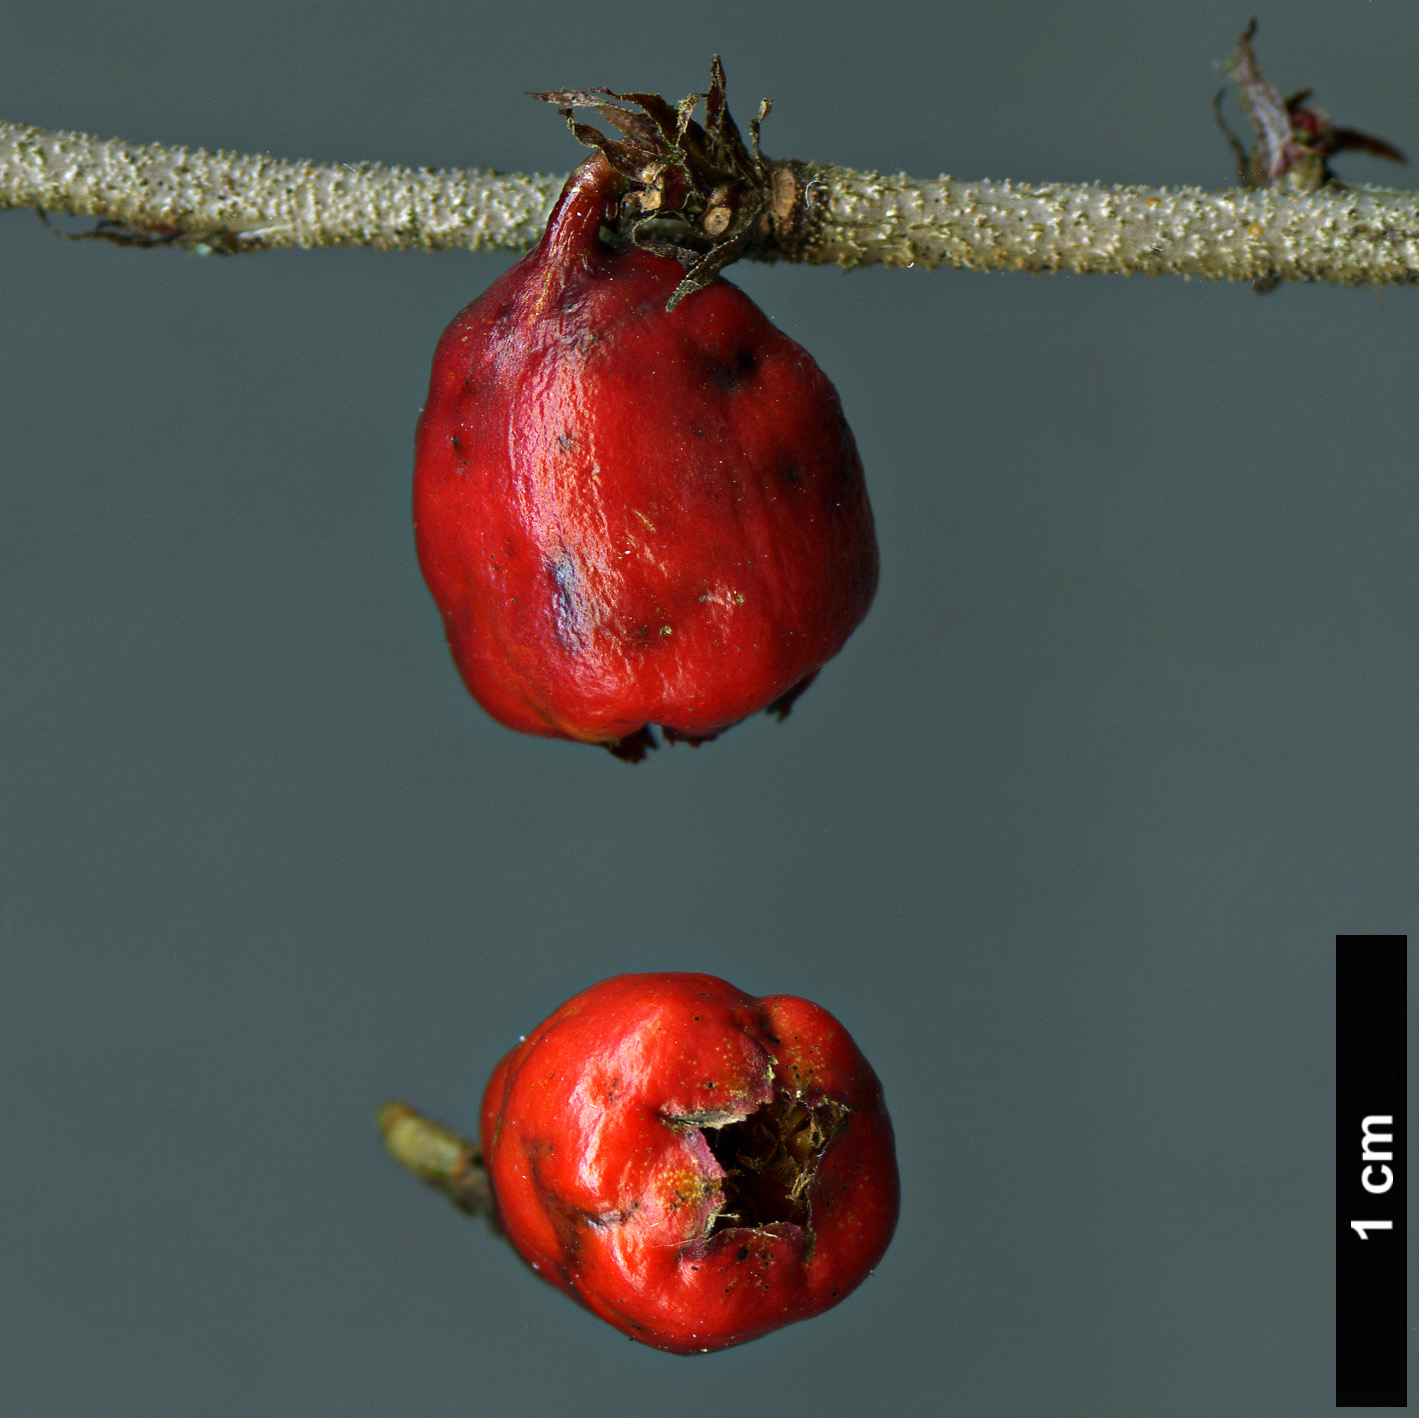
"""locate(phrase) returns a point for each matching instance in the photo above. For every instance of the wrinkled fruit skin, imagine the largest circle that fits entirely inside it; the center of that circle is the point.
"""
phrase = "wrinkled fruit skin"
(629, 517)
(694, 1165)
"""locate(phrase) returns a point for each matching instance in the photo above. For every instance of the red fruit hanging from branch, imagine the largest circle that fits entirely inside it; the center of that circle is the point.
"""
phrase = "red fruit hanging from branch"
(636, 501)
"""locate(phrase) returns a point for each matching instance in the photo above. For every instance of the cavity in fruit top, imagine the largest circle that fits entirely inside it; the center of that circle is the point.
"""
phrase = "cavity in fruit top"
(694, 1165)
(629, 516)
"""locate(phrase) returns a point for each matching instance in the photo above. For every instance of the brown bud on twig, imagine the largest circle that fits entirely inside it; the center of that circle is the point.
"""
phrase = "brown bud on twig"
(694, 191)
(1294, 142)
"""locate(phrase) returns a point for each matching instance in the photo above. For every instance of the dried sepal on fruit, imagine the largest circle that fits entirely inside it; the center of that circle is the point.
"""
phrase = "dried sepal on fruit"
(695, 192)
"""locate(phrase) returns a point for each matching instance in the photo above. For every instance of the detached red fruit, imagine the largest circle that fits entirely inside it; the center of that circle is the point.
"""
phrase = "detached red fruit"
(694, 1165)
(631, 517)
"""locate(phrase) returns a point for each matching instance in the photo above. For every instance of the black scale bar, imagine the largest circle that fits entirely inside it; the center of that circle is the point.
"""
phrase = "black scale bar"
(1370, 1160)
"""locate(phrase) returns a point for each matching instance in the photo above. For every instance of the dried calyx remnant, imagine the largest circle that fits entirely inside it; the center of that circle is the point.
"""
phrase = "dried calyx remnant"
(1294, 142)
(695, 191)
(770, 1159)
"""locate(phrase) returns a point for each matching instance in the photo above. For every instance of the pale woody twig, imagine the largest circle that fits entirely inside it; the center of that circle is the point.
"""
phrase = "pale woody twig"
(232, 202)
(1363, 236)
(1349, 236)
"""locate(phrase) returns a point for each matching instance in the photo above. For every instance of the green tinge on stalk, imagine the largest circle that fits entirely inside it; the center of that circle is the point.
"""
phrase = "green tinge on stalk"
(437, 1156)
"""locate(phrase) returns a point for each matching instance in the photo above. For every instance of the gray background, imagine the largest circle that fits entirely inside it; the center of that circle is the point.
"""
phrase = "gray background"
(1064, 835)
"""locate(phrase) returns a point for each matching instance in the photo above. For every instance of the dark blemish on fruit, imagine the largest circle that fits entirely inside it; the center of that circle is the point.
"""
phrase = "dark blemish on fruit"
(729, 377)
(568, 604)
(455, 442)
(743, 1253)
(719, 375)
(565, 440)
(696, 431)
(791, 473)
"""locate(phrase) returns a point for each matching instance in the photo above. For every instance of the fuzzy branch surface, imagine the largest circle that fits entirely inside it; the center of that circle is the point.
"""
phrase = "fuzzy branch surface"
(149, 194)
